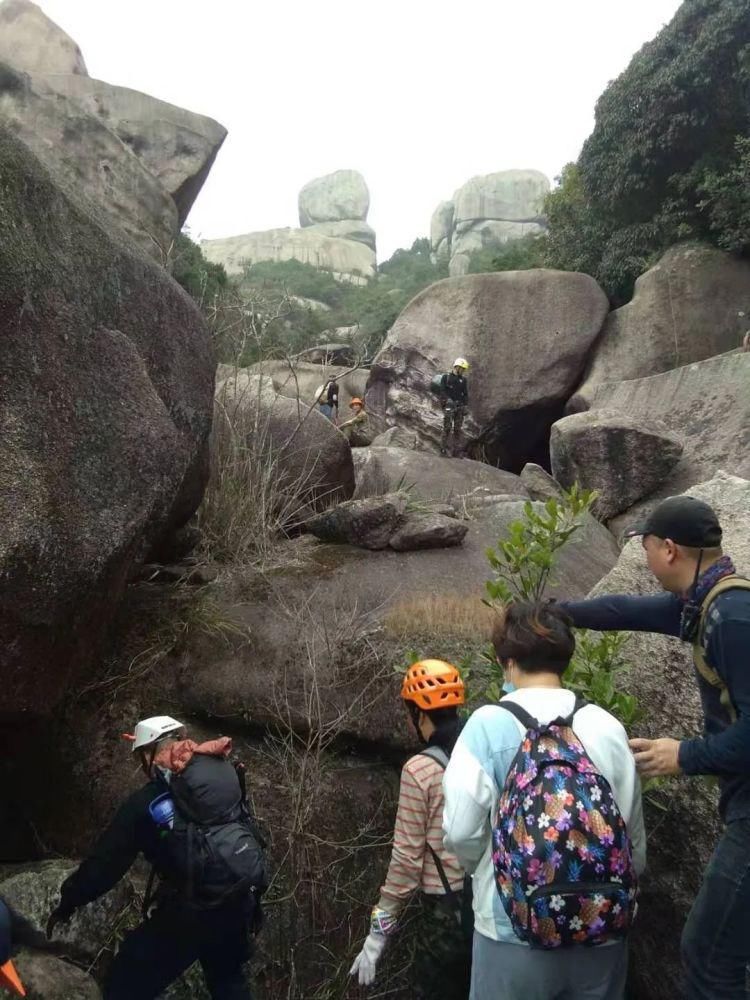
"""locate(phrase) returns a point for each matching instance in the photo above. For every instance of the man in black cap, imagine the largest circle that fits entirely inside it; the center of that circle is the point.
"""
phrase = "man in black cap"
(707, 605)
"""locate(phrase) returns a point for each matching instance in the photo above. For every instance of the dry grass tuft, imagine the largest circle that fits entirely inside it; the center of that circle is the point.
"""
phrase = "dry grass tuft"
(441, 616)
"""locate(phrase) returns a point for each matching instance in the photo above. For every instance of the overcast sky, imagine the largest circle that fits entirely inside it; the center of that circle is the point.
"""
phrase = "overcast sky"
(418, 95)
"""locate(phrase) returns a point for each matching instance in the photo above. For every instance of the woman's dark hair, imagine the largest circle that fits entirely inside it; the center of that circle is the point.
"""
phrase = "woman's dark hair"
(446, 721)
(539, 637)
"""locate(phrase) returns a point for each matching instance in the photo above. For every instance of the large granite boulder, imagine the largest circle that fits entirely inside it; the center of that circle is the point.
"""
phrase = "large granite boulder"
(346, 229)
(177, 146)
(441, 230)
(690, 306)
(662, 677)
(33, 43)
(488, 211)
(89, 160)
(426, 476)
(624, 458)
(342, 354)
(539, 482)
(706, 405)
(510, 195)
(311, 461)
(34, 891)
(48, 978)
(526, 335)
(340, 195)
(346, 258)
(106, 383)
(428, 530)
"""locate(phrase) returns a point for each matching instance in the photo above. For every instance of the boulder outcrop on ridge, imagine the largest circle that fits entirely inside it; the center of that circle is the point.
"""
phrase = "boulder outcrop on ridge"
(487, 212)
(33, 43)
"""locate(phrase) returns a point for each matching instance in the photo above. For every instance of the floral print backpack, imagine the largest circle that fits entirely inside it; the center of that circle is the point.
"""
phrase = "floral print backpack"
(562, 856)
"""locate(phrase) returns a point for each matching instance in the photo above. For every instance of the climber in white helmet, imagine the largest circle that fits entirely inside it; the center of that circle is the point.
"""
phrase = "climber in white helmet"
(191, 821)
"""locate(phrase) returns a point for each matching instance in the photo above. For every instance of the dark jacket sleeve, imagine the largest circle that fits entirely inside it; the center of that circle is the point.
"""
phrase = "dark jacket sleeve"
(728, 651)
(627, 612)
(333, 394)
(112, 856)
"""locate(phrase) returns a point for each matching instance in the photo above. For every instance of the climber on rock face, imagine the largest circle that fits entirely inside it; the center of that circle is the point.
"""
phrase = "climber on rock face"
(356, 429)
(455, 400)
(191, 822)
(707, 605)
(433, 691)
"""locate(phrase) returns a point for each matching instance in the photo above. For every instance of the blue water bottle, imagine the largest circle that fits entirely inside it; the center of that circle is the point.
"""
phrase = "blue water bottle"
(161, 811)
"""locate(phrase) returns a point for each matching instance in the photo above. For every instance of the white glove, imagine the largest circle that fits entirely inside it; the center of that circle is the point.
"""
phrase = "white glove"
(367, 960)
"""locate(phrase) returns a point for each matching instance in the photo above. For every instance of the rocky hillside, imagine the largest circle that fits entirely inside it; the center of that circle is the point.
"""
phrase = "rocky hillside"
(206, 543)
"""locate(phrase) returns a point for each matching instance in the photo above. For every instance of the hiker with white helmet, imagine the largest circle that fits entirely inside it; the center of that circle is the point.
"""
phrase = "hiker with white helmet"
(454, 393)
(192, 823)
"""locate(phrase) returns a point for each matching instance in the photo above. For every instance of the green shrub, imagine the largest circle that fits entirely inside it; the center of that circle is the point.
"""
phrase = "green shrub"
(516, 255)
(201, 278)
(668, 157)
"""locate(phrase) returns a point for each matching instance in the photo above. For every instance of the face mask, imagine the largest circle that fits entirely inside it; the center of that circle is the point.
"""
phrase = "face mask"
(509, 688)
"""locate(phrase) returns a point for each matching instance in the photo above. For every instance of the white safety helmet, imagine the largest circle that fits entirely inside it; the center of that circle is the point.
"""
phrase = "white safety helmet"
(153, 730)
(461, 363)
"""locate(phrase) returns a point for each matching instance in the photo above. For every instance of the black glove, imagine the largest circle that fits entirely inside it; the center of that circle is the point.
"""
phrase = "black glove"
(60, 915)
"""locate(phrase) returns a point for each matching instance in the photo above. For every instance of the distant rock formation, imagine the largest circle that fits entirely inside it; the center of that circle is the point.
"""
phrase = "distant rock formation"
(334, 235)
(140, 161)
(340, 195)
(487, 211)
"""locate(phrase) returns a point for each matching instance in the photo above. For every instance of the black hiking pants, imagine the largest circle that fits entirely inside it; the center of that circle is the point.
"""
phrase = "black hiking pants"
(166, 944)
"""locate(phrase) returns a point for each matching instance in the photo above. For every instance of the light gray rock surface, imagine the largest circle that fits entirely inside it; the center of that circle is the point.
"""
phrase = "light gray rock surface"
(427, 531)
(303, 379)
(397, 437)
(310, 459)
(540, 484)
(32, 43)
(90, 161)
(427, 476)
(347, 259)
(340, 195)
(622, 457)
(368, 523)
(487, 211)
(510, 195)
(346, 229)
(526, 335)
(706, 405)
(692, 305)
(177, 146)
(342, 354)
(662, 677)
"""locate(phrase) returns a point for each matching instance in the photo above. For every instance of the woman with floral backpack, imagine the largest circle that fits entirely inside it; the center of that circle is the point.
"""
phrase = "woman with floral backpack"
(543, 807)
(433, 692)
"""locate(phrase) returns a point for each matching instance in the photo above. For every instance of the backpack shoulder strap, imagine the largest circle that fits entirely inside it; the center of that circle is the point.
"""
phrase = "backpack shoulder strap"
(524, 717)
(733, 582)
(437, 754)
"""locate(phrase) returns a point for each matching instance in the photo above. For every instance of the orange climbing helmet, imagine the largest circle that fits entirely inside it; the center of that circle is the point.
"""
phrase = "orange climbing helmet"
(356, 401)
(433, 684)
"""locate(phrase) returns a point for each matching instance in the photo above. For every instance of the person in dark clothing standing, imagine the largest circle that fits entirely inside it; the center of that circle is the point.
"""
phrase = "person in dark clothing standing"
(707, 605)
(178, 931)
(455, 401)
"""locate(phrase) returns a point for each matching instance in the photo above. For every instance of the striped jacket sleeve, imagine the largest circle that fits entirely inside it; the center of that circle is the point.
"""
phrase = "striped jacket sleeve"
(409, 845)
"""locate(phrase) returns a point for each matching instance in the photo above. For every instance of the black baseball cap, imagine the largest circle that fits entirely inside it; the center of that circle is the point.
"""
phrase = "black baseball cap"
(686, 520)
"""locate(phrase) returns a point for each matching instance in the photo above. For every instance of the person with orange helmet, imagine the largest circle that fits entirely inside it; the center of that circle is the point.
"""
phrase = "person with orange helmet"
(433, 692)
(356, 428)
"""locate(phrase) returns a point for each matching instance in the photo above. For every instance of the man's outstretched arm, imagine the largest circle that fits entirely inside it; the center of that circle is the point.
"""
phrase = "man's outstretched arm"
(627, 612)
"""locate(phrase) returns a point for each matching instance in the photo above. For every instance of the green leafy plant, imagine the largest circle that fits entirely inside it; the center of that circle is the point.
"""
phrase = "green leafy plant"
(522, 563)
